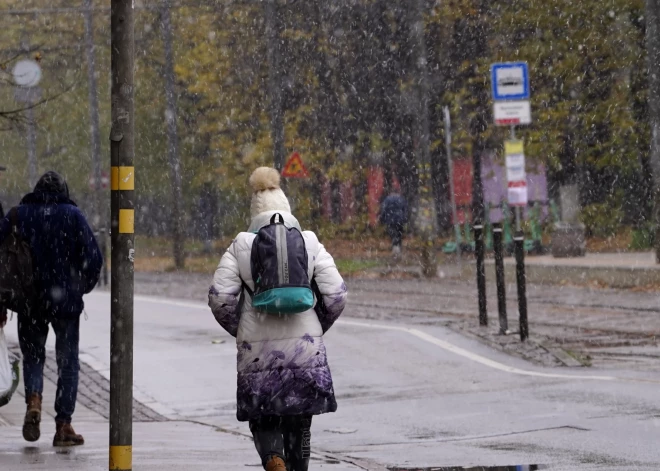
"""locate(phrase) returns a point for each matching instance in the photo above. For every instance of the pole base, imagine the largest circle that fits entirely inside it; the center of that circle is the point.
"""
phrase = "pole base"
(568, 240)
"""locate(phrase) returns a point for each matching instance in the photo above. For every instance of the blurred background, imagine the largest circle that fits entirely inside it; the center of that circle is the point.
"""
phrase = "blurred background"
(356, 88)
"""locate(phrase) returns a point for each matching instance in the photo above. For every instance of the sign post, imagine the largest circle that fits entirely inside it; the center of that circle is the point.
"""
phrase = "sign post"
(515, 173)
(122, 185)
(511, 92)
(499, 272)
(517, 195)
(450, 170)
(294, 168)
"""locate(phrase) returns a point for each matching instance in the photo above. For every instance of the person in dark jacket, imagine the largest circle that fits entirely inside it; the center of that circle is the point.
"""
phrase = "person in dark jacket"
(3, 310)
(66, 264)
(394, 215)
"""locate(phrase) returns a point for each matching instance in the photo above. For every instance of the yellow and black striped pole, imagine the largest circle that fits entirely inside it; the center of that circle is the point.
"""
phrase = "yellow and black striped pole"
(122, 240)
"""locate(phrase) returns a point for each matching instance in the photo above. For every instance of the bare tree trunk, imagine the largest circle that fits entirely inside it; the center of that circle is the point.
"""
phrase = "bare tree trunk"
(426, 210)
(173, 139)
(95, 133)
(330, 89)
(33, 166)
(274, 41)
(653, 54)
(440, 169)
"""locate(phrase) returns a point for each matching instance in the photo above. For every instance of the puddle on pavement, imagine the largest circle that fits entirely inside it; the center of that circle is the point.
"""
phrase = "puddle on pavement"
(528, 467)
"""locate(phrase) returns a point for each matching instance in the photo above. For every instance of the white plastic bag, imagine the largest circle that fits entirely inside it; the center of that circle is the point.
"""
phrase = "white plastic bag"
(8, 371)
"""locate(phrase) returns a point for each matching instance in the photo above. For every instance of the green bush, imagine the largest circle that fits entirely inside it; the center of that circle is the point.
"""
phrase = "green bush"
(603, 219)
(643, 238)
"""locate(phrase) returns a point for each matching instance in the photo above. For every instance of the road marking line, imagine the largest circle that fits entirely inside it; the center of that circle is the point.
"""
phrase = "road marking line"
(450, 347)
(487, 361)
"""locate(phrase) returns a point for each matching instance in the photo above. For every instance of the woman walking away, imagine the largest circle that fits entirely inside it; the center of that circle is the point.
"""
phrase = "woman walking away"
(278, 291)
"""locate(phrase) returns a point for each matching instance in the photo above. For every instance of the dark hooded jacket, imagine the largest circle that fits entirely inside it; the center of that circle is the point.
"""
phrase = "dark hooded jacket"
(394, 210)
(66, 258)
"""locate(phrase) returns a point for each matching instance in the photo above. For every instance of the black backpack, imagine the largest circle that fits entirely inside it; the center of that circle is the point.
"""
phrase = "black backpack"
(16, 270)
(279, 267)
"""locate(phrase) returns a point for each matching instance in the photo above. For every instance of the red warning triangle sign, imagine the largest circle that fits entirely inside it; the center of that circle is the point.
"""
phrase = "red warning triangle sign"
(294, 167)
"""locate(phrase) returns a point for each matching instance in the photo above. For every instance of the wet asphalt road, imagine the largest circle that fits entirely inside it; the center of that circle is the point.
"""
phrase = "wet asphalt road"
(410, 395)
(607, 327)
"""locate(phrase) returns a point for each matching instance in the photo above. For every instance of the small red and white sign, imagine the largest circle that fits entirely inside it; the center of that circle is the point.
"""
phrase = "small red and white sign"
(517, 194)
(515, 173)
(105, 181)
(511, 113)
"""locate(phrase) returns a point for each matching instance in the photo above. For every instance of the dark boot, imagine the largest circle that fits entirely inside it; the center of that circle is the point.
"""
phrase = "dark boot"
(31, 431)
(66, 436)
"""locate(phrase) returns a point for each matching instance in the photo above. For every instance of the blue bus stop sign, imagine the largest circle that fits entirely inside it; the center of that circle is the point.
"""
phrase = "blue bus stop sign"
(510, 81)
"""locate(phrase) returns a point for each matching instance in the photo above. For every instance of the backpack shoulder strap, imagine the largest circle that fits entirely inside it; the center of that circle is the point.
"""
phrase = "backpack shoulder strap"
(273, 219)
(247, 289)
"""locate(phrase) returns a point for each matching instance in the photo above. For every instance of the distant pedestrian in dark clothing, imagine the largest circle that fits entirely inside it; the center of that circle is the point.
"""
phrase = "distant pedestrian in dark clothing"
(394, 215)
(66, 264)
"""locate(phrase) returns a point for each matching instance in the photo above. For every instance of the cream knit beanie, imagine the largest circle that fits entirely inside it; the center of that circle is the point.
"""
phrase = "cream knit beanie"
(267, 196)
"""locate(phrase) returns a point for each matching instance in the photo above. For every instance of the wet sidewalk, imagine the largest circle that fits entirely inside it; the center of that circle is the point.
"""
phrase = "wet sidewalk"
(600, 260)
(621, 270)
(615, 270)
(159, 444)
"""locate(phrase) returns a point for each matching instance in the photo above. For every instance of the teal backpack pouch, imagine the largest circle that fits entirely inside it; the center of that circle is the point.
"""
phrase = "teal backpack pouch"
(287, 300)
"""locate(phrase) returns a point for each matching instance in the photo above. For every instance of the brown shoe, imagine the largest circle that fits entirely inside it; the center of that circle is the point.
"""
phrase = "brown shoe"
(275, 463)
(66, 436)
(31, 431)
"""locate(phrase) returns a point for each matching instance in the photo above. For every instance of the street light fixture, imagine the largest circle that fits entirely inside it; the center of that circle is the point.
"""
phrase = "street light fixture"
(27, 73)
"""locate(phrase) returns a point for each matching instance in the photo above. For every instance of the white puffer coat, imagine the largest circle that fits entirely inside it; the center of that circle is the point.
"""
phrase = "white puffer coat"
(282, 364)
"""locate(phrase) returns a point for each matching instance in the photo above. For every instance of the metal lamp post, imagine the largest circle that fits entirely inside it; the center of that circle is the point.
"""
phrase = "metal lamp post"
(27, 75)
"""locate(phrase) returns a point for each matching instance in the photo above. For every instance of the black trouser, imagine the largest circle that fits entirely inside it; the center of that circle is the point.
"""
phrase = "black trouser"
(395, 231)
(286, 437)
(32, 335)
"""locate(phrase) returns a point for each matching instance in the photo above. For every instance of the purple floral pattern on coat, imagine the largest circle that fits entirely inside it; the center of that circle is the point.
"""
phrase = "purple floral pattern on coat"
(226, 309)
(282, 369)
(284, 377)
(329, 307)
